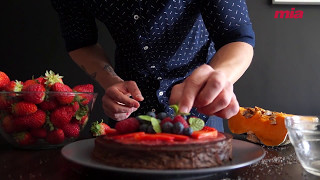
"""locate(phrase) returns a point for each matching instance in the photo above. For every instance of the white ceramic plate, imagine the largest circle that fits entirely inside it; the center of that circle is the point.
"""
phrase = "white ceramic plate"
(244, 154)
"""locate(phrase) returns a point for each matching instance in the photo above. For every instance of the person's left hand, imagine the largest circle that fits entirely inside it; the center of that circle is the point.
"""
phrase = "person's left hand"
(207, 90)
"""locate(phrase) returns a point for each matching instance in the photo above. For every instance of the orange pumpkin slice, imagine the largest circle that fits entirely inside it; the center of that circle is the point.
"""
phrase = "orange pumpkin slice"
(262, 126)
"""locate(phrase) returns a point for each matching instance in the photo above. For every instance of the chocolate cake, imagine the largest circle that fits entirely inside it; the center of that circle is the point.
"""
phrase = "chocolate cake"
(189, 154)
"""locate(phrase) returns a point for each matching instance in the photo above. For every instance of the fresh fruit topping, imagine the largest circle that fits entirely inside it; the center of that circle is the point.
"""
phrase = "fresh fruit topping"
(55, 137)
(36, 93)
(143, 127)
(176, 110)
(61, 116)
(51, 78)
(23, 108)
(128, 125)
(150, 130)
(167, 119)
(99, 128)
(65, 96)
(180, 119)
(144, 118)
(206, 132)
(4, 80)
(162, 115)
(24, 138)
(156, 125)
(151, 114)
(155, 137)
(177, 128)
(14, 86)
(134, 135)
(71, 130)
(176, 136)
(187, 131)
(196, 123)
(167, 127)
(40, 133)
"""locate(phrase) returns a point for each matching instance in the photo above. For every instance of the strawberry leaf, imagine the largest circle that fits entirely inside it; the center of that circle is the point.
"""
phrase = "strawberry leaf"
(82, 111)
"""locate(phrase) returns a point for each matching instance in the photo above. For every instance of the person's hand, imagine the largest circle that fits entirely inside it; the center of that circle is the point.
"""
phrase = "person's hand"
(117, 101)
(208, 90)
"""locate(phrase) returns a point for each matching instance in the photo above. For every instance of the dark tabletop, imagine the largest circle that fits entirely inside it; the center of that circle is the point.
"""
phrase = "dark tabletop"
(278, 163)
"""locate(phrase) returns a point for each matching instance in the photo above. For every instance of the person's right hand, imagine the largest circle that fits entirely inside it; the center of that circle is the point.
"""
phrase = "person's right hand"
(117, 101)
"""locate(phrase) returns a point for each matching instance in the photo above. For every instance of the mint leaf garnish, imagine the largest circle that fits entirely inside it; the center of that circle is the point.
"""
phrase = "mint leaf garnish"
(155, 125)
(176, 110)
(145, 117)
(196, 123)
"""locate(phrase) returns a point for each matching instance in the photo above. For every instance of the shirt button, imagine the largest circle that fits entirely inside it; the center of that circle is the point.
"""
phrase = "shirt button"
(152, 67)
(160, 93)
(159, 78)
(146, 47)
(136, 17)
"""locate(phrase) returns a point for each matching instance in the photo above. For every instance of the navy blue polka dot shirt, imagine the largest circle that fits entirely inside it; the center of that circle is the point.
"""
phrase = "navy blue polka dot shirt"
(158, 42)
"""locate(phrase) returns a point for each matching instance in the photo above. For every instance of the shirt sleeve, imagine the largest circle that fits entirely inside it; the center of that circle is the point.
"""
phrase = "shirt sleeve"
(227, 21)
(78, 27)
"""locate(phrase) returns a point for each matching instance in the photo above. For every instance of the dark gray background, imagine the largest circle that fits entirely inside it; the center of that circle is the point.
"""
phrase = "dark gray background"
(283, 77)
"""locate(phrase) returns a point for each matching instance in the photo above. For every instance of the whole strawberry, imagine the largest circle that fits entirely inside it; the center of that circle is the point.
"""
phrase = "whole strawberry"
(40, 133)
(4, 80)
(71, 130)
(23, 108)
(5, 102)
(128, 125)
(49, 104)
(36, 93)
(14, 86)
(55, 137)
(66, 94)
(75, 106)
(85, 97)
(7, 124)
(28, 83)
(35, 120)
(51, 78)
(24, 138)
(40, 80)
(62, 115)
(180, 119)
(83, 121)
(99, 128)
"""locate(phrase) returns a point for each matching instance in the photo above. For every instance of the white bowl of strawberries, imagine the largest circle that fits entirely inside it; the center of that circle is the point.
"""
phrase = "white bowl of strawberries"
(43, 112)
